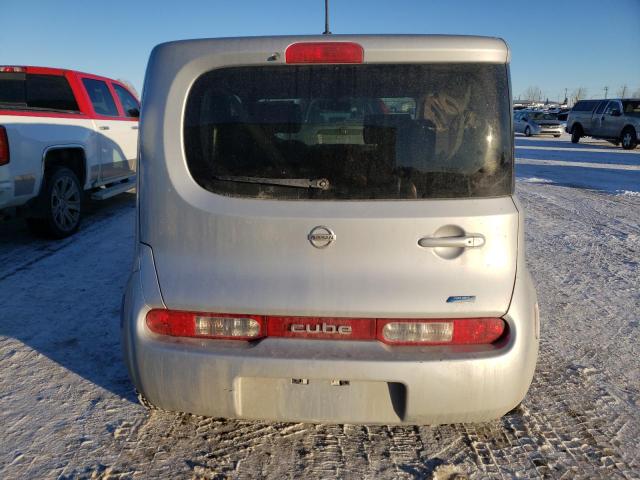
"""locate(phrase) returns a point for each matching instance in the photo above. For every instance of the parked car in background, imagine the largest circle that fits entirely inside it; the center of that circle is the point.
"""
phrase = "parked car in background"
(531, 122)
(328, 232)
(616, 120)
(63, 133)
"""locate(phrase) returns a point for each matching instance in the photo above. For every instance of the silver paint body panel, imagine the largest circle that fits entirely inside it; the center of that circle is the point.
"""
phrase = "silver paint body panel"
(206, 252)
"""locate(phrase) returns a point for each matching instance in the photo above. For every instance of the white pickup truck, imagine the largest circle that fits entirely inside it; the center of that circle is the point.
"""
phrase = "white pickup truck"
(64, 136)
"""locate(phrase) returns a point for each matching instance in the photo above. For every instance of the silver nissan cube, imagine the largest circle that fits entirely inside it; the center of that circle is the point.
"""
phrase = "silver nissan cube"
(328, 232)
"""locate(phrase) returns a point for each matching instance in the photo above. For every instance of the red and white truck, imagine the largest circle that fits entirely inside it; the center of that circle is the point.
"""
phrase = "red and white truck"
(64, 136)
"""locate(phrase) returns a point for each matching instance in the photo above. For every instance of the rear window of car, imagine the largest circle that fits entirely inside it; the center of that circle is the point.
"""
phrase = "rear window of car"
(631, 107)
(351, 132)
(36, 92)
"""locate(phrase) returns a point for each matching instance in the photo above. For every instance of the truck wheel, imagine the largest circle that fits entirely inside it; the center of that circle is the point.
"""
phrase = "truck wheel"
(62, 205)
(576, 133)
(629, 139)
(527, 131)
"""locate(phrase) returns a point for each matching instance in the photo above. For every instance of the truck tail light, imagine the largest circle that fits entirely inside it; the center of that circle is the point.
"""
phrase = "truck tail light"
(205, 325)
(4, 146)
(459, 331)
(324, 52)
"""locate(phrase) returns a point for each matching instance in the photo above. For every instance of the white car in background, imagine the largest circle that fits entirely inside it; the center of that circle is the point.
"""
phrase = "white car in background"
(531, 122)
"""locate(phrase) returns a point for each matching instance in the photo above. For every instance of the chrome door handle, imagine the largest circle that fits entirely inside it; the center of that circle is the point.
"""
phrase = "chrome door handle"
(134, 127)
(103, 127)
(467, 241)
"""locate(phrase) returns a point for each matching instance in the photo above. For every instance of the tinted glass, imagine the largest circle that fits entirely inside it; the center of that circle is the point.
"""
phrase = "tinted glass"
(537, 116)
(359, 131)
(100, 97)
(13, 89)
(601, 107)
(611, 106)
(46, 92)
(129, 103)
(631, 107)
(585, 106)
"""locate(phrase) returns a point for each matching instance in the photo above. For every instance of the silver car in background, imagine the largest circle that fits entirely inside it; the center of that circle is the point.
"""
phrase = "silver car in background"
(531, 122)
(616, 120)
(328, 232)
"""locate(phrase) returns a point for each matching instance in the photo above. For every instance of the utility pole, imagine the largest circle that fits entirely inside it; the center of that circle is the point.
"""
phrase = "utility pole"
(606, 90)
(326, 18)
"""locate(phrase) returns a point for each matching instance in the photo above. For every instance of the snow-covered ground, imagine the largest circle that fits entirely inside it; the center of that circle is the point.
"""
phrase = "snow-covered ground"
(589, 164)
(67, 408)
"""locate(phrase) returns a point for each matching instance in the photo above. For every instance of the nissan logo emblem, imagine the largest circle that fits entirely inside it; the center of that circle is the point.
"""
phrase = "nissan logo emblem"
(321, 237)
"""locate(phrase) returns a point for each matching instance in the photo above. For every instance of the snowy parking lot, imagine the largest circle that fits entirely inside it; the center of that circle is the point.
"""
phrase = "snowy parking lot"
(68, 410)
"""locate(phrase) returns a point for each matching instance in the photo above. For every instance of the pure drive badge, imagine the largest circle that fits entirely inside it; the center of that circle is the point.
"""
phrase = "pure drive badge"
(321, 237)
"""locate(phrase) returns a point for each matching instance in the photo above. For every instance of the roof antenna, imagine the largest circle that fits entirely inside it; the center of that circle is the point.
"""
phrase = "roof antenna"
(326, 18)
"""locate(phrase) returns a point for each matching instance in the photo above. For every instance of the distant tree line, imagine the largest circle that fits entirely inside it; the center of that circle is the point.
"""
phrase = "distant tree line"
(536, 94)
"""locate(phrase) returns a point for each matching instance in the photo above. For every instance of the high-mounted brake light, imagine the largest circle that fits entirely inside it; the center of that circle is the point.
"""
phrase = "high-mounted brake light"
(12, 69)
(459, 331)
(4, 146)
(324, 52)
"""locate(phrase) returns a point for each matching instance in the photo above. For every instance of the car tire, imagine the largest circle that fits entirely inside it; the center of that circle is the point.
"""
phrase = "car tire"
(61, 205)
(145, 402)
(527, 131)
(556, 136)
(576, 134)
(628, 138)
(517, 410)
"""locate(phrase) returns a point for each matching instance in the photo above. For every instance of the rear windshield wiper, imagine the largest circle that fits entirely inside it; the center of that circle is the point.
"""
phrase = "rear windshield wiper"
(320, 183)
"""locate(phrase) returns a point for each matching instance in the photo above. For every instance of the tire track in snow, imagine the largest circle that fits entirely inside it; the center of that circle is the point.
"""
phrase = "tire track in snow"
(579, 420)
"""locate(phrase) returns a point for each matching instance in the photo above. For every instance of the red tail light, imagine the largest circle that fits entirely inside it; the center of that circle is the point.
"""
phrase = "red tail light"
(4, 146)
(459, 331)
(205, 325)
(446, 331)
(324, 52)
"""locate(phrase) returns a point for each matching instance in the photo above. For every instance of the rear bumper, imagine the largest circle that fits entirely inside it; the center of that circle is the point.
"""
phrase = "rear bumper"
(291, 380)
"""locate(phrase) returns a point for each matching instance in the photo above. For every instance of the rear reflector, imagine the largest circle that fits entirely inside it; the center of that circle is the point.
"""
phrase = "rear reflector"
(459, 331)
(4, 146)
(324, 52)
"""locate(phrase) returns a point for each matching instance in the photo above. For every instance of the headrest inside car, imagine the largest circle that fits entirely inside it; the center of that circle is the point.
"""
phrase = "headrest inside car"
(379, 129)
(283, 117)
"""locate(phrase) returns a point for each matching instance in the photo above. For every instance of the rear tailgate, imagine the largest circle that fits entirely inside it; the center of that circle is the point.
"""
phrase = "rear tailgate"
(236, 253)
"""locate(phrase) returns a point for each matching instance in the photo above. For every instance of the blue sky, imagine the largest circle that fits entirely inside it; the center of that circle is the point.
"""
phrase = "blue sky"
(555, 44)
